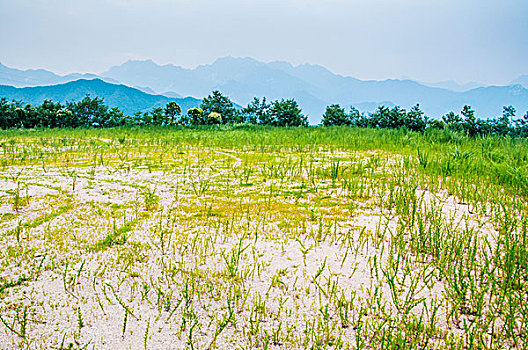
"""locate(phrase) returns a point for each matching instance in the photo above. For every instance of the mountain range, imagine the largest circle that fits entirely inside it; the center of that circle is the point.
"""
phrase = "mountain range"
(313, 86)
(454, 86)
(128, 99)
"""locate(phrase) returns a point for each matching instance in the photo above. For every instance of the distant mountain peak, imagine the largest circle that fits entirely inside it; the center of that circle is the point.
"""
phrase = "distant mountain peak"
(236, 59)
(312, 66)
(517, 89)
(134, 61)
(230, 62)
(522, 80)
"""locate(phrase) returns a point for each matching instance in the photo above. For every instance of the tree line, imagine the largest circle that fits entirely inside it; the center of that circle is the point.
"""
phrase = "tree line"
(219, 109)
(93, 113)
(415, 119)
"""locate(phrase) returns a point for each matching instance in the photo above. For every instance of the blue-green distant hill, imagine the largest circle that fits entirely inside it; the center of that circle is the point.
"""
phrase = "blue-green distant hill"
(127, 99)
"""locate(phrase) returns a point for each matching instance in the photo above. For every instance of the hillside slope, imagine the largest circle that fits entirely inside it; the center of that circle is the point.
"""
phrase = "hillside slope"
(127, 99)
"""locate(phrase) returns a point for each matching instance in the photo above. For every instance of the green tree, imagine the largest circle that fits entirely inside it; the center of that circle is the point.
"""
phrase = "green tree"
(522, 126)
(396, 118)
(502, 125)
(172, 111)
(356, 118)
(115, 118)
(470, 121)
(48, 116)
(415, 119)
(380, 118)
(213, 118)
(218, 103)
(453, 121)
(65, 118)
(89, 112)
(196, 116)
(137, 118)
(29, 117)
(287, 113)
(335, 115)
(158, 117)
(257, 112)
(7, 114)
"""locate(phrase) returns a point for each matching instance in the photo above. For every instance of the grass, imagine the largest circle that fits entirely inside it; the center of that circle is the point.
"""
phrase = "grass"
(262, 237)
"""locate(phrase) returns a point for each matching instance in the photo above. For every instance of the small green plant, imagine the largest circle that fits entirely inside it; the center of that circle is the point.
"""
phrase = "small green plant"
(19, 324)
(18, 200)
(80, 322)
(423, 158)
(150, 200)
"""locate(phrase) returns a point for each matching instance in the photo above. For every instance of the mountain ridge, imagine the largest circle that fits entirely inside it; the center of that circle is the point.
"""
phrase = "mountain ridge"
(313, 86)
(41, 77)
(127, 99)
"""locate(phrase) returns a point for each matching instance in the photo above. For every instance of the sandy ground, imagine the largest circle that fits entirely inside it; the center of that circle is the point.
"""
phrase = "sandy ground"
(217, 261)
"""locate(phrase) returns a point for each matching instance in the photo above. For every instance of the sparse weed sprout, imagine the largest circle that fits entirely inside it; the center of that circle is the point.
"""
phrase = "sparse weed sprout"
(260, 237)
(150, 199)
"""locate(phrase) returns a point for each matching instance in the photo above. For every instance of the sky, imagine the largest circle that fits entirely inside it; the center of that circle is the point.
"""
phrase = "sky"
(427, 40)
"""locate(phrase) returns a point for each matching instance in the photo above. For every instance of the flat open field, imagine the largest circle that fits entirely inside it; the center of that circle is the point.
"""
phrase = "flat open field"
(262, 238)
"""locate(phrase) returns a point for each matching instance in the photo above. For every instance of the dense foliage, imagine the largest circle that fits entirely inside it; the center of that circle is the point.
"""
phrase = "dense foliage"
(219, 109)
(416, 120)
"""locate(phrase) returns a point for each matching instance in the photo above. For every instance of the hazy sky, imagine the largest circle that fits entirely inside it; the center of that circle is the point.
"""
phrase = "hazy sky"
(428, 40)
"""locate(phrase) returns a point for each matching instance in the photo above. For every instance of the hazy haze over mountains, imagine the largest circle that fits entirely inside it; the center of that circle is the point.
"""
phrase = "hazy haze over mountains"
(434, 40)
(40, 77)
(453, 85)
(313, 86)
